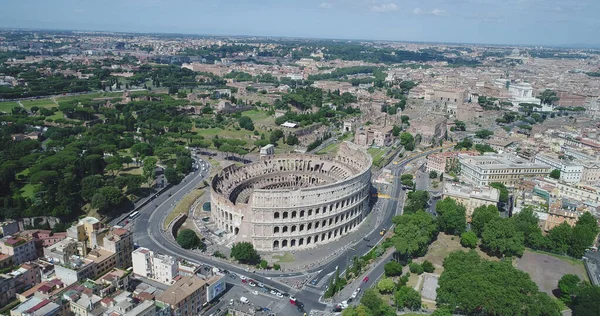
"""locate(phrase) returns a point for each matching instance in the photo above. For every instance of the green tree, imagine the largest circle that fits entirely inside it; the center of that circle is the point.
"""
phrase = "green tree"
(451, 216)
(184, 164)
(559, 238)
(433, 174)
(500, 237)
(568, 285)
(416, 268)
(484, 134)
(526, 221)
(416, 201)
(555, 174)
(386, 286)
(246, 123)
(106, 197)
(292, 140)
(407, 297)
(149, 167)
(244, 252)
(90, 185)
(470, 285)
(171, 175)
(264, 264)
(469, 239)
(428, 266)
(407, 140)
(503, 191)
(442, 312)
(483, 215)
(548, 97)
(188, 239)
(392, 268)
(586, 301)
(413, 233)
(583, 235)
(371, 300)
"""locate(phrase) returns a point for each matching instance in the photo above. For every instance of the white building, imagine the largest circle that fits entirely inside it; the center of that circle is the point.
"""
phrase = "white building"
(522, 93)
(158, 267)
(506, 169)
(267, 150)
(569, 171)
(471, 197)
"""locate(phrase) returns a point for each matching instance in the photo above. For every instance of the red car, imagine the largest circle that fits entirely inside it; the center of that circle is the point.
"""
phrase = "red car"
(244, 281)
(366, 279)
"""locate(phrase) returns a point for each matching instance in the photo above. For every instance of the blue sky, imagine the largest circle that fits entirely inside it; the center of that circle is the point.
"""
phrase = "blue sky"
(535, 22)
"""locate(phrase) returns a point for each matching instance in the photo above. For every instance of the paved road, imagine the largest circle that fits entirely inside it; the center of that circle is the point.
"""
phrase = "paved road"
(147, 229)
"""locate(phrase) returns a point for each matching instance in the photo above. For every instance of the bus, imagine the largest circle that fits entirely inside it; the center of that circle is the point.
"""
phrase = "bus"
(134, 215)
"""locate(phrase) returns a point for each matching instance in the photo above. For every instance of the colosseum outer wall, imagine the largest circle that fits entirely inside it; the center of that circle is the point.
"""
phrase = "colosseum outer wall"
(293, 201)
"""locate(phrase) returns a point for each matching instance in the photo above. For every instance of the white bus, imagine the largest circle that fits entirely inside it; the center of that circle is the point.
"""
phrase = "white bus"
(134, 215)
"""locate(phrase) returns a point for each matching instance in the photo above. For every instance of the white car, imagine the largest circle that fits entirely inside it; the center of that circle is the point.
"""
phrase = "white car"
(354, 294)
(252, 284)
(279, 295)
(273, 292)
(242, 277)
(255, 292)
(260, 284)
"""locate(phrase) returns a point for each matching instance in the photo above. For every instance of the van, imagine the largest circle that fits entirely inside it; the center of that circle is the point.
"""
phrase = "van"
(244, 300)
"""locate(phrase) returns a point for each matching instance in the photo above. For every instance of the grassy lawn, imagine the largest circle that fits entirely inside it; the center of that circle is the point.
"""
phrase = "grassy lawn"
(286, 257)
(377, 154)
(260, 117)
(8, 106)
(228, 133)
(183, 206)
(80, 97)
(41, 103)
(57, 115)
(27, 190)
(132, 170)
(23, 173)
(329, 149)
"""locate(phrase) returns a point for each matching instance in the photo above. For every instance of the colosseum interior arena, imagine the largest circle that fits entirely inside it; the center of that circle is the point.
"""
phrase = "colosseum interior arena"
(293, 201)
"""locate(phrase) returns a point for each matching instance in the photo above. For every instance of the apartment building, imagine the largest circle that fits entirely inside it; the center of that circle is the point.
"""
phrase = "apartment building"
(148, 264)
(506, 169)
(569, 171)
(9, 227)
(119, 241)
(579, 192)
(471, 197)
(21, 248)
(185, 297)
(7, 289)
(445, 161)
(35, 306)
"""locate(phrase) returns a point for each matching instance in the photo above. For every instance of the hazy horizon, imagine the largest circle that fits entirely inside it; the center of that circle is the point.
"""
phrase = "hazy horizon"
(509, 22)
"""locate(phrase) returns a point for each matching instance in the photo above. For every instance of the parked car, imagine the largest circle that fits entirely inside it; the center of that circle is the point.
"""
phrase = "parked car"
(366, 279)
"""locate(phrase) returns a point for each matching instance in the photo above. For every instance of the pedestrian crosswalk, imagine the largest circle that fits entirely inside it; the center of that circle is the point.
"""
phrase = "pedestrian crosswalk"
(313, 290)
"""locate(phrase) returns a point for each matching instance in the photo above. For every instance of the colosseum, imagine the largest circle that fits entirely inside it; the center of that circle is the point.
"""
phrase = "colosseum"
(293, 201)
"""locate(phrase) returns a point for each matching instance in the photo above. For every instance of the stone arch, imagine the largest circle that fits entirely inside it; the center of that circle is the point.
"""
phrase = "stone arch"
(275, 244)
(301, 227)
(285, 215)
(308, 240)
(301, 214)
(284, 243)
(236, 230)
(275, 229)
(293, 230)
(284, 229)
(300, 242)
(293, 243)
(276, 215)
(294, 214)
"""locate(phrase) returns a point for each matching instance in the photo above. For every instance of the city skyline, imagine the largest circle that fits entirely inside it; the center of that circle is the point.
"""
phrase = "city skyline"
(512, 22)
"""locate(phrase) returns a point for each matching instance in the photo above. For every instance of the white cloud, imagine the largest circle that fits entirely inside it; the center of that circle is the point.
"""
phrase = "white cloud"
(386, 7)
(436, 12)
(325, 5)
(439, 12)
